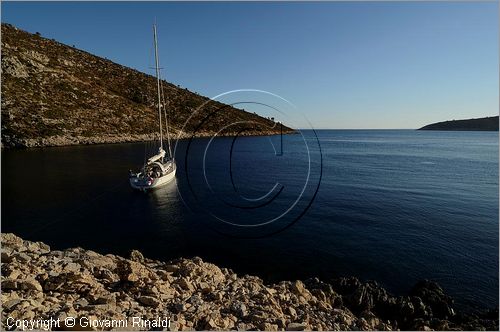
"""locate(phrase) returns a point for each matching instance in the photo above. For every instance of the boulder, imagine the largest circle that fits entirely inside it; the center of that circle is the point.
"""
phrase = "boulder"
(9, 284)
(270, 327)
(186, 284)
(239, 308)
(6, 255)
(131, 271)
(30, 284)
(433, 296)
(149, 301)
(296, 327)
(299, 289)
(11, 304)
(136, 255)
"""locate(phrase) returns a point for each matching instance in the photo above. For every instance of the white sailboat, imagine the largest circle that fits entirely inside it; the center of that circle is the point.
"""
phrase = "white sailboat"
(159, 169)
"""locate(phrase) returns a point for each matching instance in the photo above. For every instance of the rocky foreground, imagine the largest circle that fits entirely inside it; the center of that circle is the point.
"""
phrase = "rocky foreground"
(39, 283)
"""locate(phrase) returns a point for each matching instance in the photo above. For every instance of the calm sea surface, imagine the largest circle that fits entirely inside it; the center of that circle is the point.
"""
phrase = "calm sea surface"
(395, 206)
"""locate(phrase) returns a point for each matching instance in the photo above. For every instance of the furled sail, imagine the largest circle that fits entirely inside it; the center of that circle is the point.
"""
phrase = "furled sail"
(156, 157)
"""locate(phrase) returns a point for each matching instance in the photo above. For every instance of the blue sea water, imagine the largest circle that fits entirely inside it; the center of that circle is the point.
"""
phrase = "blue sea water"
(395, 206)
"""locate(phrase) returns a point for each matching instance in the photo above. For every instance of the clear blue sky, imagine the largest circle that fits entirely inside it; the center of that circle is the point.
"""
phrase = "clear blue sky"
(345, 65)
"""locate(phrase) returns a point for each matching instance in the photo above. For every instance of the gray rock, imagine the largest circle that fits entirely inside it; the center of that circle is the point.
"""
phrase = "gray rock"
(6, 255)
(205, 287)
(30, 284)
(433, 295)
(72, 267)
(149, 301)
(171, 268)
(43, 248)
(186, 285)
(12, 66)
(9, 284)
(11, 304)
(137, 256)
(180, 307)
(292, 312)
(22, 257)
(269, 327)
(57, 253)
(174, 326)
(296, 327)
(106, 299)
(239, 308)
(195, 300)
(82, 302)
(99, 307)
(300, 290)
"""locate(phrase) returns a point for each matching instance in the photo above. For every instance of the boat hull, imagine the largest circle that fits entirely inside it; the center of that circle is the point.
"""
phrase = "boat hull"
(145, 185)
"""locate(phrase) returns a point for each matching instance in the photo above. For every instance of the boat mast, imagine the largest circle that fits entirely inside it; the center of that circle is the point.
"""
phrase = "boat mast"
(166, 126)
(158, 84)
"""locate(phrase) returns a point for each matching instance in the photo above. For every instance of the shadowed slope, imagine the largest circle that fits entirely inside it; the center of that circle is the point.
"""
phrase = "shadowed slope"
(54, 94)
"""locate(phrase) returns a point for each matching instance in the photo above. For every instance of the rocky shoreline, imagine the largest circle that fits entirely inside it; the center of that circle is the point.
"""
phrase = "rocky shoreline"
(39, 283)
(59, 141)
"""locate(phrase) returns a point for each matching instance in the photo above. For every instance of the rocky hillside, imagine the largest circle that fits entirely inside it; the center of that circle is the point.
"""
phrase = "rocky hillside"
(54, 94)
(38, 283)
(481, 124)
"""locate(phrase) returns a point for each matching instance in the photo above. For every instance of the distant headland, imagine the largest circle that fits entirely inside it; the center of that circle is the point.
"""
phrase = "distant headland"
(481, 124)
